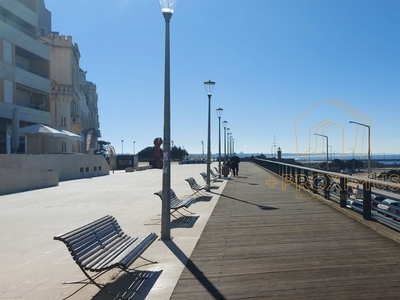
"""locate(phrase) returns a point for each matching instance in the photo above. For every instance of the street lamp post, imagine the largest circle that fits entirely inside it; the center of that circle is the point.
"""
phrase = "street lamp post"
(327, 147)
(225, 124)
(369, 145)
(209, 86)
(227, 142)
(167, 9)
(231, 145)
(122, 142)
(219, 114)
(134, 147)
(202, 147)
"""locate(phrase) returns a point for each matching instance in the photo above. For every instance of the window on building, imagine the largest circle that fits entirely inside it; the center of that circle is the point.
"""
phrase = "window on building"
(43, 31)
(63, 121)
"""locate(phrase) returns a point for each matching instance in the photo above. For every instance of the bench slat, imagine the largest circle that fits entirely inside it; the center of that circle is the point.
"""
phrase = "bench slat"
(71, 235)
(108, 255)
(175, 202)
(127, 257)
(96, 253)
(98, 240)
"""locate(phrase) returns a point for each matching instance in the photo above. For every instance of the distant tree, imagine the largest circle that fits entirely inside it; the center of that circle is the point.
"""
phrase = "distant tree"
(358, 164)
(178, 153)
(147, 154)
(337, 164)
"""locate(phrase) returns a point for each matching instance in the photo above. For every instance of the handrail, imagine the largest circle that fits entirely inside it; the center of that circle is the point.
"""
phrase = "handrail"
(335, 186)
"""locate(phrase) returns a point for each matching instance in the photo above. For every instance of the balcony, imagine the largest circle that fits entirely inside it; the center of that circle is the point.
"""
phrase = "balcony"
(41, 107)
(31, 70)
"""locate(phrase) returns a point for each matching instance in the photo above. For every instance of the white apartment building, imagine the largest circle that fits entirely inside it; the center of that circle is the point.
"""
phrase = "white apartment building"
(41, 82)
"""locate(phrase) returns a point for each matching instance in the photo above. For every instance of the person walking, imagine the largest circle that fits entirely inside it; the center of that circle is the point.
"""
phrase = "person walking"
(234, 163)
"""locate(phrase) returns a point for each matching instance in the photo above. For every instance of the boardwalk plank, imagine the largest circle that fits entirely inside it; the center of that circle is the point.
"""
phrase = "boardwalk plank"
(266, 243)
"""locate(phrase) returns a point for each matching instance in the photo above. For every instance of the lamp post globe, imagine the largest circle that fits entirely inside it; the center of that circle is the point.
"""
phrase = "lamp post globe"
(167, 9)
(209, 86)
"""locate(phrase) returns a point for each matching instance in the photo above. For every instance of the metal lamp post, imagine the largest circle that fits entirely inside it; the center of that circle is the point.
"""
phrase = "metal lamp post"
(227, 143)
(209, 85)
(134, 147)
(327, 147)
(167, 9)
(369, 145)
(219, 114)
(122, 142)
(225, 124)
(202, 147)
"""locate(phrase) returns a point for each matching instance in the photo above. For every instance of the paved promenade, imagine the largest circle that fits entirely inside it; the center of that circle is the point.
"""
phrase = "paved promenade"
(33, 265)
(250, 239)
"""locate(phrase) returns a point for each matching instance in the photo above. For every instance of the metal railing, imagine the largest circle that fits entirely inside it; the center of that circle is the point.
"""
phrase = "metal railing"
(339, 188)
(33, 105)
(31, 70)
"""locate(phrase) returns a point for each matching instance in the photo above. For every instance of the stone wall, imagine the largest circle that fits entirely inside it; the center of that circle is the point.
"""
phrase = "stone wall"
(23, 172)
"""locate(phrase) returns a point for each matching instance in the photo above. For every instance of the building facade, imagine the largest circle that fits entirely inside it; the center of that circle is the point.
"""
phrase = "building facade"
(41, 82)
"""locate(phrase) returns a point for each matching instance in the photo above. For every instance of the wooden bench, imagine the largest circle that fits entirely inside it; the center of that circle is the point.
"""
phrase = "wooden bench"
(177, 203)
(102, 245)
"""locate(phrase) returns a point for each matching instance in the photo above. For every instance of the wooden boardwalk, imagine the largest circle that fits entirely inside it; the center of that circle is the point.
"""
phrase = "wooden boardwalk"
(265, 243)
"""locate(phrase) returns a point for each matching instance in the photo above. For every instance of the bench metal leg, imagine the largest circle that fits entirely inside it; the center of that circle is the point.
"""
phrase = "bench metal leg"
(189, 211)
(178, 213)
(85, 281)
(92, 280)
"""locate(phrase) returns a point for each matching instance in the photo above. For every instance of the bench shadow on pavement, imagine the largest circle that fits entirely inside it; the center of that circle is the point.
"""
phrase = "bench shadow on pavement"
(130, 286)
(184, 222)
(203, 198)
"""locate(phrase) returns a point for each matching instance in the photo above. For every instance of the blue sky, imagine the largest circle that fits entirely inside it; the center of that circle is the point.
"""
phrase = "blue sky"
(284, 70)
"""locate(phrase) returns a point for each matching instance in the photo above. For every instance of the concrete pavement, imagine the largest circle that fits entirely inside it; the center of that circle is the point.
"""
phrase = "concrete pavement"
(33, 265)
